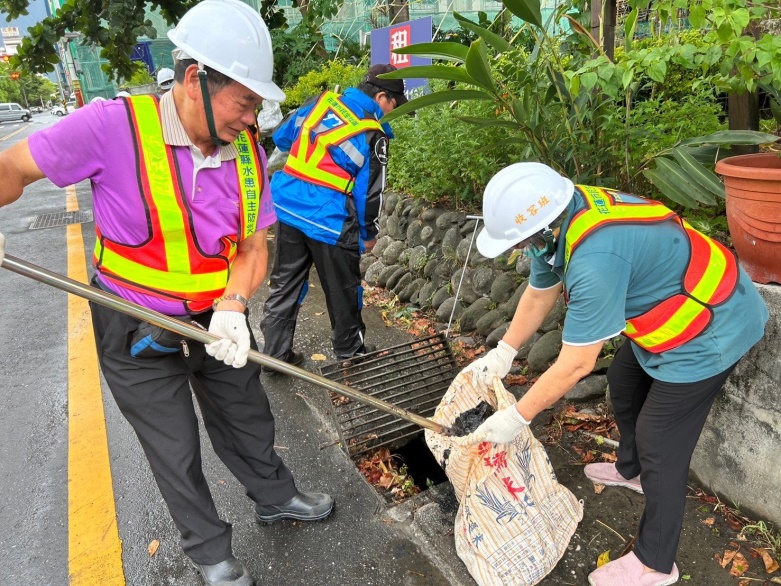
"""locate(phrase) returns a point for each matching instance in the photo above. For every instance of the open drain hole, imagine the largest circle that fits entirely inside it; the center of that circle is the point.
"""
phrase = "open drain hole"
(399, 473)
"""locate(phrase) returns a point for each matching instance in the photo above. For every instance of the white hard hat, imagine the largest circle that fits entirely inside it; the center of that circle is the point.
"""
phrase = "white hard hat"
(97, 99)
(519, 201)
(230, 37)
(165, 78)
(123, 94)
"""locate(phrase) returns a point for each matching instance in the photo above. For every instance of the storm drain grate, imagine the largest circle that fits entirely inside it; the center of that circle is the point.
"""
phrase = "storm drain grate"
(414, 376)
(61, 219)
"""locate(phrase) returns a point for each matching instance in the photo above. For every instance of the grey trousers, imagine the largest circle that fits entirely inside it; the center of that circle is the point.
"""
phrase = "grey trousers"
(154, 396)
(660, 424)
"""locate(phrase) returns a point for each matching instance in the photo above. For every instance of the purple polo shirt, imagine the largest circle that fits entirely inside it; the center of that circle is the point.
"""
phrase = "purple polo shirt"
(95, 143)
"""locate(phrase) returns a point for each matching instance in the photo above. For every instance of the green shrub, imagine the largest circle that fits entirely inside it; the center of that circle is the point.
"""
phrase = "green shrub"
(433, 155)
(655, 126)
(327, 77)
(679, 81)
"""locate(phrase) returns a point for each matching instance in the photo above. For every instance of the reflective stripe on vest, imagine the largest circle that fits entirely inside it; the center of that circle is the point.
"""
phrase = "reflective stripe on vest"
(170, 263)
(309, 159)
(710, 279)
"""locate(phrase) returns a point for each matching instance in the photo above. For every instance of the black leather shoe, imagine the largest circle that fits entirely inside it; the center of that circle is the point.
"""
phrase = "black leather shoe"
(293, 357)
(230, 572)
(305, 506)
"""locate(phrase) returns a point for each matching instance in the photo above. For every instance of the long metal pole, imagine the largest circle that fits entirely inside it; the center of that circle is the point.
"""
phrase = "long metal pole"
(198, 334)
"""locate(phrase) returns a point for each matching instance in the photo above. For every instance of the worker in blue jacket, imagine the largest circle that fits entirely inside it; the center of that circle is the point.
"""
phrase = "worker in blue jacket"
(328, 199)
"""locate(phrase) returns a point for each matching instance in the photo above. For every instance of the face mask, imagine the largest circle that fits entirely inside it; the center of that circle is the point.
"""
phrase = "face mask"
(533, 251)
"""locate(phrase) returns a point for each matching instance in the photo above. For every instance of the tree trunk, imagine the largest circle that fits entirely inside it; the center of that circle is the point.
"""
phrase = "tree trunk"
(743, 109)
(743, 112)
(320, 49)
(603, 24)
(398, 11)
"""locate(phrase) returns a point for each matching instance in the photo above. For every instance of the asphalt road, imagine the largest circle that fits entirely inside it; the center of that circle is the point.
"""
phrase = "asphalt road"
(355, 547)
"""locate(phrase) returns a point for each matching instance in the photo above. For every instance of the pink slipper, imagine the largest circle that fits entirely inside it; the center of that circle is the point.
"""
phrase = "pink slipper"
(629, 571)
(607, 474)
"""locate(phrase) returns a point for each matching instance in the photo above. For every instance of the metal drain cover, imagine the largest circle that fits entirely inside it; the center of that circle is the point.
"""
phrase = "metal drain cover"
(414, 376)
(61, 219)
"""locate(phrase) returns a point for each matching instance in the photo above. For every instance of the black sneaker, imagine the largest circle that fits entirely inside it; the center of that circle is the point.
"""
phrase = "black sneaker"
(367, 349)
(359, 356)
(293, 357)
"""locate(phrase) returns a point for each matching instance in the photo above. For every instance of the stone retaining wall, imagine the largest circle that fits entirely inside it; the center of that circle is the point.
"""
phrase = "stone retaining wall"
(420, 255)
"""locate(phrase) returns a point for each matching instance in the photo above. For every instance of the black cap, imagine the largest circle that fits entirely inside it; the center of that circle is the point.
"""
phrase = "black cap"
(394, 86)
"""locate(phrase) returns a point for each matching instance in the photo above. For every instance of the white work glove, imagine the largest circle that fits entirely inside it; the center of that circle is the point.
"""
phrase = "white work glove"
(231, 326)
(496, 362)
(501, 428)
(2, 248)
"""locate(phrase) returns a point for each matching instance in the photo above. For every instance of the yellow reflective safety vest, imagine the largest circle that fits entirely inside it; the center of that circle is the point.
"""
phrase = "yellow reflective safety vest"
(710, 279)
(170, 264)
(310, 159)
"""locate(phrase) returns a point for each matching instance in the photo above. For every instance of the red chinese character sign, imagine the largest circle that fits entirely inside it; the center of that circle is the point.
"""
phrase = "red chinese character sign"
(385, 40)
(400, 37)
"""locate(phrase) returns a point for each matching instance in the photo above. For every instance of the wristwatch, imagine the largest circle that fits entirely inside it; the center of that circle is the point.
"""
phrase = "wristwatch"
(232, 297)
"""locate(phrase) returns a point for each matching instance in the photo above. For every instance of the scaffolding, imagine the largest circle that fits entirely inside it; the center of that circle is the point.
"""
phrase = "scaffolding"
(354, 21)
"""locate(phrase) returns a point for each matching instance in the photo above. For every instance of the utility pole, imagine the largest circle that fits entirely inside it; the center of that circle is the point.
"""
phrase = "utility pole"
(59, 83)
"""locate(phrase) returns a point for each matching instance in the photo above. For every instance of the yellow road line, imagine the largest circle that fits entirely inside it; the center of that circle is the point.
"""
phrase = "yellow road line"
(14, 133)
(94, 547)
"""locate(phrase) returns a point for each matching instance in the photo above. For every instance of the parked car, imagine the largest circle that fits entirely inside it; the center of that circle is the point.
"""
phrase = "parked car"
(58, 109)
(13, 111)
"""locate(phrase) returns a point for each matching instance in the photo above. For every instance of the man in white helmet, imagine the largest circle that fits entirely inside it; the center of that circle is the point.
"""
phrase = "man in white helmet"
(628, 266)
(165, 80)
(182, 205)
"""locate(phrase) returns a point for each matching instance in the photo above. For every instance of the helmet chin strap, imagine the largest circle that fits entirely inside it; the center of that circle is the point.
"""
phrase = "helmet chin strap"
(207, 106)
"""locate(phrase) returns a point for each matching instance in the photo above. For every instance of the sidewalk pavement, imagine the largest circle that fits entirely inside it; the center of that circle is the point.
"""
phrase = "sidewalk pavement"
(365, 542)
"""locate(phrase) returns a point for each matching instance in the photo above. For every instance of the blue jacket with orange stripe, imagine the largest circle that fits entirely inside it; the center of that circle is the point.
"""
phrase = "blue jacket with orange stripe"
(324, 214)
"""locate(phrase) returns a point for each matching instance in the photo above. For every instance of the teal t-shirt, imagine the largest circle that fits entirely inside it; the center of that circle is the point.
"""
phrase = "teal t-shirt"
(621, 271)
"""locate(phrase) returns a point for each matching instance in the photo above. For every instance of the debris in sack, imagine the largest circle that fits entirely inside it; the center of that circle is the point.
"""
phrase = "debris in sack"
(445, 458)
(470, 420)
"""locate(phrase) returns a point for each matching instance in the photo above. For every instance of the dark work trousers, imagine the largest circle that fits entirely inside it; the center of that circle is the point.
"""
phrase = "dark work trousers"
(660, 424)
(340, 277)
(154, 396)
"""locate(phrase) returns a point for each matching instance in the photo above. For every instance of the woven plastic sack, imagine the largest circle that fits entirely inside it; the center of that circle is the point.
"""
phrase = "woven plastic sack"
(514, 519)
(269, 117)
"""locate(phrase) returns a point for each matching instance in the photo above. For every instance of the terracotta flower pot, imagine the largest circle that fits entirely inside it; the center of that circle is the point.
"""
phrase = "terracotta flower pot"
(753, 185)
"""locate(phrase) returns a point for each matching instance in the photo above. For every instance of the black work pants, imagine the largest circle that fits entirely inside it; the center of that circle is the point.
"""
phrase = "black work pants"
(660, 424)
(154, 396)
(340, 277)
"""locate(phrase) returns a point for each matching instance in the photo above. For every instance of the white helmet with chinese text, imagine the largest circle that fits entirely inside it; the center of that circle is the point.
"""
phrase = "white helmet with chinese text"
(230, 37)
(520, 201)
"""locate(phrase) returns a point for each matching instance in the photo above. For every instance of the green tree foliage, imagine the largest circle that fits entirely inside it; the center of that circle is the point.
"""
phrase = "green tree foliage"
(566, 104)
(116, 25)
(140, 76)
(330, 75)
(27, 90)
